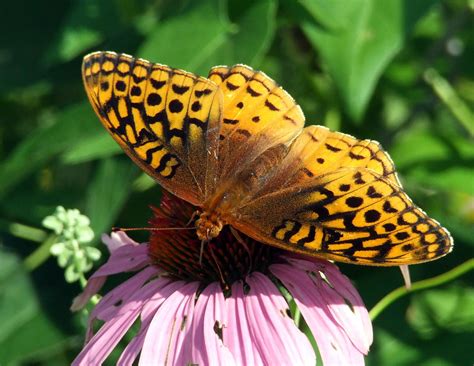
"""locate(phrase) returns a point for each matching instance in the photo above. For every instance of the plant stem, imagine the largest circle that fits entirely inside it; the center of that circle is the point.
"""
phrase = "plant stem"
(297, 317)
(23, 231)
(420, 285)
(40, 255)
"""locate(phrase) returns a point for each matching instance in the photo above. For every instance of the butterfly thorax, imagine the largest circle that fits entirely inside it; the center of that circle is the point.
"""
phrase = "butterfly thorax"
(221, 206)
(209, 225)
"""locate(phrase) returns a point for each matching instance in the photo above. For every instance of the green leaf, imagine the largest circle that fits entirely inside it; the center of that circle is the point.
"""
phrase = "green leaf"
(73, 124)
(26, 31)
(254, 23)
(98, 146)
(86, 25)
(366, 37)
(441, 159)
(400, 346)
(207, 37)
(108, 191)
(389, 347)
(451, 99)
(81, 30)
(197, 39)
(329, 14)
(21, 316)
(440, 311)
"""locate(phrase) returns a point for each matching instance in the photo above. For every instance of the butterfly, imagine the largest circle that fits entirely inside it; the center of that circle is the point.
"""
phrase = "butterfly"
(234, 145)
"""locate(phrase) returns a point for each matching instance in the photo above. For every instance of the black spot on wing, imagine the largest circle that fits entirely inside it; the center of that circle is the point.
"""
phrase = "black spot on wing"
(180, 90)
(175, 106)
(252, 92)
(157, 84)
(372, 216)
(332, 148)
(231, 121)
(200, 93)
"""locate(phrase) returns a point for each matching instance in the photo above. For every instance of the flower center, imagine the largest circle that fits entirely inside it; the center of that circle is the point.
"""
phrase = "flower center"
(229, 257)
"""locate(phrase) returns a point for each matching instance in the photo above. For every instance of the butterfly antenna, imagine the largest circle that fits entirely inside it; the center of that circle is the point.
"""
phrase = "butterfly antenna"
(115, 229)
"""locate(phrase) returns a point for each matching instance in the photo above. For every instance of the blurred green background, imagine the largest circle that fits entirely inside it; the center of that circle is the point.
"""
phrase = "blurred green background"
(400, 72)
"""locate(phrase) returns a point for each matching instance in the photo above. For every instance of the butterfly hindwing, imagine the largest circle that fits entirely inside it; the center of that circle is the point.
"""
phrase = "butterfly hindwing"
(339, 197)
(317, 151)
(165, 119)
(350, 215)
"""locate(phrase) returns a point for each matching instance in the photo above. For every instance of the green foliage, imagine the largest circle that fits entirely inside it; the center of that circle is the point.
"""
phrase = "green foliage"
(26, 332)
(357, 47)
(396, 71)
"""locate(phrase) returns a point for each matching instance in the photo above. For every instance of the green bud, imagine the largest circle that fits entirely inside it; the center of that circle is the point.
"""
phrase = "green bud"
(72, 249)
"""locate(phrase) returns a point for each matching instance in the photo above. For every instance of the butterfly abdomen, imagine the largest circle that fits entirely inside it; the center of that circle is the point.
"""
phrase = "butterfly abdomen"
(255, 176)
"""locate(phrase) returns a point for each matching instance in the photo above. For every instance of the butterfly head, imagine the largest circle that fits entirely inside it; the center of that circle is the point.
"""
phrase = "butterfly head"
(208, 226)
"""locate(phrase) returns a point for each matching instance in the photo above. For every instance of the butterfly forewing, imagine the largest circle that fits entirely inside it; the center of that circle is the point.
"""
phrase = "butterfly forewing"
(257, 116)
(167, 120)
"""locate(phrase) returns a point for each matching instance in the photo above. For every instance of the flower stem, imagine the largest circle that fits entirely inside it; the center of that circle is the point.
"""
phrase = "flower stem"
(82, 280)
(297, 317)
(40, 255)
(23, 231)
(420, 285)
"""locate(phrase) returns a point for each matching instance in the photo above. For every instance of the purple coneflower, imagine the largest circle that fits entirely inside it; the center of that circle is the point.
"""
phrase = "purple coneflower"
(229, 307)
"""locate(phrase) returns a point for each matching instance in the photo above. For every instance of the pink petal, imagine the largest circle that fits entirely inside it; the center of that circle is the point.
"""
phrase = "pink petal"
(153, 304)
(116, 240)
(160, 341)
(130, 353)
(149, 310)
(183, 349)
(128, 257)
(93, 286)
(333, 344)
(313, 264)
(356, 320)
(276, 336)
(110, 303)
(237, 334)
(210, 314)
(100, 346)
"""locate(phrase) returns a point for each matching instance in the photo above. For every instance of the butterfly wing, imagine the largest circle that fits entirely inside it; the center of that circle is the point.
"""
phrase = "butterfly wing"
(318, 151)
(258, 115)
(339, 197)
(165, 119)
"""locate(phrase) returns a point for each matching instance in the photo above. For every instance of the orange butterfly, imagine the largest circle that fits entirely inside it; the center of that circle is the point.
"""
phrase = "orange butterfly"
(234, 144)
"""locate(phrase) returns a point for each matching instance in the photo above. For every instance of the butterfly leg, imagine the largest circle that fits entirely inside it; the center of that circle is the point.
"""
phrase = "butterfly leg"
(216, 261)
(406, 275)
(201, 251)
(193, 216)
(244, 244)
